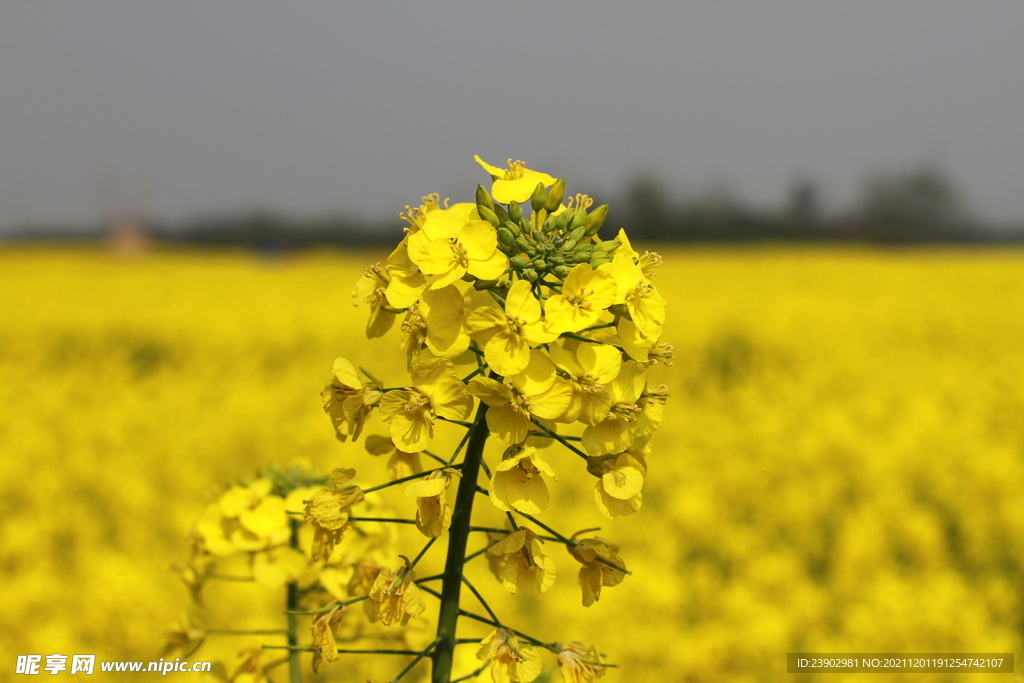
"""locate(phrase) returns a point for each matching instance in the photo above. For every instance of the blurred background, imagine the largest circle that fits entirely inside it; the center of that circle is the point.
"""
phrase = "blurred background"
(188, 192)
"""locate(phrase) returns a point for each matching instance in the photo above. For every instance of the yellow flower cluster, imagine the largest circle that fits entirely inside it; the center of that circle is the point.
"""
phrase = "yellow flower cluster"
(513, 300)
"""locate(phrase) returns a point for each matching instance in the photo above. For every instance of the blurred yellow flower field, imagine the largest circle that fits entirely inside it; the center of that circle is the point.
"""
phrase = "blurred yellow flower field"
(840, 466)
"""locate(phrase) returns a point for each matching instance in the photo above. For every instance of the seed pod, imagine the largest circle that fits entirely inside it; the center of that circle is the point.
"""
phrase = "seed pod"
(537, 200)
(555, 194)
(561, 272)
(488, 215)
(483, 199)
(506, 237)
(517, 262)
(515, 212)
(596, 219)
(530, 274)
(607, 246)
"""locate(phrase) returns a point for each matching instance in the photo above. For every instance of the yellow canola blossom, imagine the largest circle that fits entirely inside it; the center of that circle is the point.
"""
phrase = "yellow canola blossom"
(348, 400)
(436, 391)
(585, 295)
(595, 574)
(619, 485)
(511, 661)
(473, 251)
(328, 512)
(579, 663)
(395, 596)
(524, 567)
(436, 323)
(518, 481)
(400, 464)
(508, 334)
(512, 407)
(590, 368)
(433, 513)
(516, 183)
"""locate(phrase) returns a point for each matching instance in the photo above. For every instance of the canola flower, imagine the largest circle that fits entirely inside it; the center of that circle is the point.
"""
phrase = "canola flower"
(513, 307)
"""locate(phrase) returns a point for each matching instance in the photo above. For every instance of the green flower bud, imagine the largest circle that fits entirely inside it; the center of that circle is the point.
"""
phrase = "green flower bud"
(607, 247)
(483, 199)
(515, 212)
(513, 228)
(530, 274)
(578, 220)
(599, 261)
(577, 234)
(569, 245)
(538, 236)
(581, 257)
(488, 215)
(596, 219)
(588, 247)
(502, 215)
(537, 200)
(517, 262)
(525, 225)
(555, 260)
(561, 272)
(523, 245)
(555, 194)
(506, 237)
(540, 264)
(481, 285)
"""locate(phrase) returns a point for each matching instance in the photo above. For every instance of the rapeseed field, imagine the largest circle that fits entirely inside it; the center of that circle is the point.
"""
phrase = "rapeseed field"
(839, 470)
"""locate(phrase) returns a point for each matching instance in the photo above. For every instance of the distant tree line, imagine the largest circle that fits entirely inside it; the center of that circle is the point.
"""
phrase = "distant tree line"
(913, 207)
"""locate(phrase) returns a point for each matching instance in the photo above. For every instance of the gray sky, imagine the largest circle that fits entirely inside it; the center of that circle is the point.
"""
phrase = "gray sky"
(183, 108)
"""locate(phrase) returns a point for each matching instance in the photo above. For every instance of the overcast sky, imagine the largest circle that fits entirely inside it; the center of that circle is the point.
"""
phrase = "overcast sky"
(177, 109)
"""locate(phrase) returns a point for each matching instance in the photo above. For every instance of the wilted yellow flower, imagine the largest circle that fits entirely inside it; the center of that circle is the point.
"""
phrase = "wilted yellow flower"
(433, 514)
(526, 568)
(511, 661)
(518, 483)
(410, 412)
(516, 183)
(183, 638)
(595, 574)
(620, 480)
(348, 400)
(508, 334)
(511, 408)
(395, 596)
(401, 464)
(585, 294)
(322, 638)
(250, 667)
(327, 512)
(579, 663)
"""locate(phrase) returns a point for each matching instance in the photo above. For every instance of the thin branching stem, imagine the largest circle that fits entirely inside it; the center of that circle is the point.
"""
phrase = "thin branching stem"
(474, 674)
(415, 661)
(479, 597)
(568, 541)
(559, 438)
(391, 520)
(461, 423)
(427, 473)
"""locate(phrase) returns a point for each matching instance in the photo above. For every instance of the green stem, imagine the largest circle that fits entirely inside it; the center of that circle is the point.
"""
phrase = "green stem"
(291, 605)
(458, 535)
